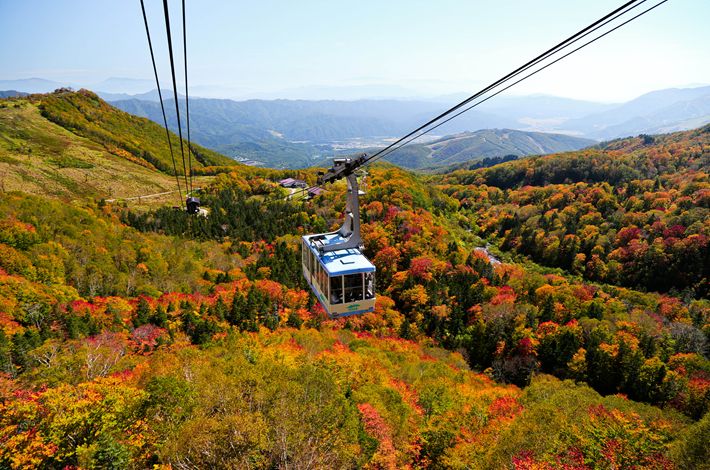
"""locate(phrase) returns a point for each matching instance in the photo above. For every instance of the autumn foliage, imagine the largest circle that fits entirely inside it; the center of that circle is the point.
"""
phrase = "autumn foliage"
(544, 313)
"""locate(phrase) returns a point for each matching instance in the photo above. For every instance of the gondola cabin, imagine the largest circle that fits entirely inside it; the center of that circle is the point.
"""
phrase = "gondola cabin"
(343, 280)
(339, 274)
(192, 205)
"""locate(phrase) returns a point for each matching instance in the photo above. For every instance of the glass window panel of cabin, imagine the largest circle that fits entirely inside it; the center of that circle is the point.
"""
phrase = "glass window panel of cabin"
(369, 285)
(336, 290)
(353, 287)
(316, 274)
(320, 278)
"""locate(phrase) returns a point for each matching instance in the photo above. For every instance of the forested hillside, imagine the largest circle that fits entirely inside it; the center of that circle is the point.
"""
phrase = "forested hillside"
(133, 338)
(634, 212)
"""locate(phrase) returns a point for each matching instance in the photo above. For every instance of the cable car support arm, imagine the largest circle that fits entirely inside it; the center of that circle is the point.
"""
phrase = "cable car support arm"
(350, 230)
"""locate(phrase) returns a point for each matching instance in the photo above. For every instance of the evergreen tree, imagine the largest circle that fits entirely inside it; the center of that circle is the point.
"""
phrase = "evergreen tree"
(159, 317)
(71, 323)
(252, 310)
(405, 329)
(143, 313)
(236, 312)
(294, 321)
(6, 365)
(220, 309)
(115, 315)
(22, 344)
(595, 310)
(271, 321)
(89, 326)
(547, 312)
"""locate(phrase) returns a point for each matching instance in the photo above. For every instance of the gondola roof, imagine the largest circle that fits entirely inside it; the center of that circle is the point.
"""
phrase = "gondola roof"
(340, 262)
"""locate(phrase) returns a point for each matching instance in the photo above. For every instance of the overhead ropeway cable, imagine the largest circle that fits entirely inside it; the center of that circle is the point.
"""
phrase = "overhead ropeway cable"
(410, 138)
(187, 95)
(175, 94)
(162, 106)
(471, 102)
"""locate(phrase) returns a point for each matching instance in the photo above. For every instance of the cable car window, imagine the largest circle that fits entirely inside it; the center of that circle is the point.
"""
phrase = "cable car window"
(336, 290)
(353, 287)
(320, 278)
(324, 280)
(316, 276)
(321, 274)
(309, 260)
(369, 285)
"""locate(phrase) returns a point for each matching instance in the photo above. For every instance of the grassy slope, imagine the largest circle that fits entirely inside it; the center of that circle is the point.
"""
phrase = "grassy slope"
(87, 115)
(38, 156)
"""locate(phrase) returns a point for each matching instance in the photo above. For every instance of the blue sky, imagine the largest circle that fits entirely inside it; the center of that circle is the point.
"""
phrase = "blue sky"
(432, 47)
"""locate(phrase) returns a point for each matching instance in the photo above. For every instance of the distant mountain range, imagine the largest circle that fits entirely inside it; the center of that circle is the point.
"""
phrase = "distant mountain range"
(312, 121)
(113, 85)
(11, 94)
(32, 85)
(286, 133)
(297, 133)
(661, 111)
(487, 143)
